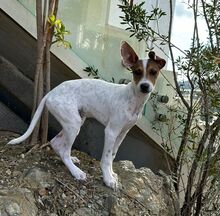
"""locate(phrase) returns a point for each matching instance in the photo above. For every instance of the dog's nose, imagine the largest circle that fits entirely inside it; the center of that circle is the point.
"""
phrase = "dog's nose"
(145, 88)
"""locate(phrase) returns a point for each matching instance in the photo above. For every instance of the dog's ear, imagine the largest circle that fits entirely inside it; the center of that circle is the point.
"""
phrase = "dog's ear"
(160, 62)
(128, 55)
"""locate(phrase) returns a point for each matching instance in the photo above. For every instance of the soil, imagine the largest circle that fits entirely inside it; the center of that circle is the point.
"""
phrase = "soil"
(57, 193)
(63, 197)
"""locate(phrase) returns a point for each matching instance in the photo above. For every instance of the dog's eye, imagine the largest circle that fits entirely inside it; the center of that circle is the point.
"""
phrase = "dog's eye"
(153, 72)
(137, 72)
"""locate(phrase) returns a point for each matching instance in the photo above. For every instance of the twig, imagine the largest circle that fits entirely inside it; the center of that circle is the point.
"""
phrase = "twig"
(33, 148)
(60, 182)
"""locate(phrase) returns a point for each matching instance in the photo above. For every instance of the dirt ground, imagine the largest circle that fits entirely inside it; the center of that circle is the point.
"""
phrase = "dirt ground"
(66, 194)
(21, 166)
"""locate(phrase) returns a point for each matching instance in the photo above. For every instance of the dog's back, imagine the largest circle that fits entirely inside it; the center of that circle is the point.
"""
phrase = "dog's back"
(94, 98)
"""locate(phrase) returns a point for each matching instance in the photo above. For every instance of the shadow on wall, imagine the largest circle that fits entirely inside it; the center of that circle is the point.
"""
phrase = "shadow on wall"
(136, 147)
(10, 121)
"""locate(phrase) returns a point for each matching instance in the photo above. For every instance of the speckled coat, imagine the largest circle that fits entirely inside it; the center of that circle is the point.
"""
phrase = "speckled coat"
(116, 106)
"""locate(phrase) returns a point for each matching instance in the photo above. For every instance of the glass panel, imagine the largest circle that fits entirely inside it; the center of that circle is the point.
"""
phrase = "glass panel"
(96, 36)
(92, 39)
(29, 5)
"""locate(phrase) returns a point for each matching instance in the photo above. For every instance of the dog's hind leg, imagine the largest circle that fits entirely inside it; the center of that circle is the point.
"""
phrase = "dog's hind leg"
(71, 121)
(70, 131)
(58, 141)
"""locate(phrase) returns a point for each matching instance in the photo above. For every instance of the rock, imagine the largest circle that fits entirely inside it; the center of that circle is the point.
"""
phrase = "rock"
(63, 195)
(43, 191)
(49, 189)
(12, 209)
(83, 211)
(88, 211)
(16, 173)
(152, 193)
(17, 202)
(38, 177)
(8, 172)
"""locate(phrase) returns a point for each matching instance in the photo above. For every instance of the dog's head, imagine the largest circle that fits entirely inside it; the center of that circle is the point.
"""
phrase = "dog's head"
(145, 71)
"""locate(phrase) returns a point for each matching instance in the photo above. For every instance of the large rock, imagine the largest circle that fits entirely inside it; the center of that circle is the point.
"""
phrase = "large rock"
(37, 177)
(40, 184)
(154, 194)
(17, 202)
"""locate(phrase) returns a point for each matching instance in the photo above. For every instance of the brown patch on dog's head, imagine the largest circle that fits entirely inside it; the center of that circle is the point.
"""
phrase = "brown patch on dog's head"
(159, 61)
(144, 71)
(152, 71)
(146, 68)
(138, 71)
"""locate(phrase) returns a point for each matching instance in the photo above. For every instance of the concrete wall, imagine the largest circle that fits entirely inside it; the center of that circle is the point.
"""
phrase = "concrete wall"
(9, 121)
(136, 147)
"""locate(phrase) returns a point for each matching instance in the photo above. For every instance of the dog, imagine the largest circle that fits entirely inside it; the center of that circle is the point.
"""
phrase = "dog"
(116, 106)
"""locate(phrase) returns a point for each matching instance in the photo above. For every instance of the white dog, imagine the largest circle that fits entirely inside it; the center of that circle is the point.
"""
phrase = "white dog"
(116, 106)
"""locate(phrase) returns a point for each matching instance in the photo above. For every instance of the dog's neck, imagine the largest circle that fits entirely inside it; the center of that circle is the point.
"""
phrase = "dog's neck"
(136, 98)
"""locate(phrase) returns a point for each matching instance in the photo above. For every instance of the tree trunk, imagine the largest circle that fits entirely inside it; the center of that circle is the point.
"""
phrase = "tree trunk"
(42, 71)
(53, 7)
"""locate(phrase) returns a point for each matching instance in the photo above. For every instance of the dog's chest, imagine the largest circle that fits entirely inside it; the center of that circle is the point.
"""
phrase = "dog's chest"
(131, 110)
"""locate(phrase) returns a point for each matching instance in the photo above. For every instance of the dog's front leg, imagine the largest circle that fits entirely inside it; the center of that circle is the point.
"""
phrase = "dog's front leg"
(106, 161)
(116, 146)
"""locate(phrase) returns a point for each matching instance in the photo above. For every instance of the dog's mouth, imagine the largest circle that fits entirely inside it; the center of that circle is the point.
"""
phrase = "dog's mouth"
(145, 91)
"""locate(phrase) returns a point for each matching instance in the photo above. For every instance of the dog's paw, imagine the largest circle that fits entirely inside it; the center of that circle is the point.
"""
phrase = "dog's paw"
(75, 160)
(80, 175)
(112, 183)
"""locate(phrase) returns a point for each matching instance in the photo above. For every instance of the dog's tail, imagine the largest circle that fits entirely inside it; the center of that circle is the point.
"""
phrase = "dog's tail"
(32, 124)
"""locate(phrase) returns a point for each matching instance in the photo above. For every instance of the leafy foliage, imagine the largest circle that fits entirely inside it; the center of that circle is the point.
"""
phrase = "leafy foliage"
(191, 134)
(59, 32)
(139, 22)
(92, 71)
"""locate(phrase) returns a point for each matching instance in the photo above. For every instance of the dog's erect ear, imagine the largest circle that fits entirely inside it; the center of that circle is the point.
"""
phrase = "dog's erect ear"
(128, 55)
(160, 62)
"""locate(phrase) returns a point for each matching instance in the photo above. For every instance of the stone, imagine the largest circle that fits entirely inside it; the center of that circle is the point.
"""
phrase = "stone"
(83, 211)
(152, 193)
(12, 209)
(16, 173)
(16, 202)
(38, 177)
(8, 172)
(46, 189)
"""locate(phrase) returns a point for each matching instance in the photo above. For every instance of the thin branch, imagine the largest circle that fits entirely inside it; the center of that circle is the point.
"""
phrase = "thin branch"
(207, 23)
(172, 58)
(39, 52)
(200, 187)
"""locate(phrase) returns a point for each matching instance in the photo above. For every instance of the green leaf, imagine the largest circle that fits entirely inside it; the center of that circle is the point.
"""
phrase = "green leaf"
(51, 19)
(57, 22)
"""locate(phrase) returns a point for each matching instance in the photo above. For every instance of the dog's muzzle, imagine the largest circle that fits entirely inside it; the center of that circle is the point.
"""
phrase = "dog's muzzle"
(145, 88)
